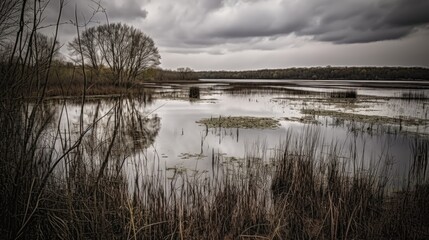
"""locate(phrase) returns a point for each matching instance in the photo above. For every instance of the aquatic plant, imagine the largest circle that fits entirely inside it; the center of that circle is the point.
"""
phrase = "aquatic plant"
(343, 94)
(413, 95)
(239, 122)
(194, 92)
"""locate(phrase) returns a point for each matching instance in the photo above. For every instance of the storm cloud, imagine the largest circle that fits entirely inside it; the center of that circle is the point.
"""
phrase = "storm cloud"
(209, 22)
(218, 27)
(345, 21)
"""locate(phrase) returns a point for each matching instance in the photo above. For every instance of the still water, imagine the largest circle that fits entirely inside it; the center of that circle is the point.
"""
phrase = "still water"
(160, 130)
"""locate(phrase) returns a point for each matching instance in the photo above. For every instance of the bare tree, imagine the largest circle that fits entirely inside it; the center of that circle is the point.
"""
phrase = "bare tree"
(42, 48)
(9, 22)
(127, 51)
(9, 18)
(185, 73)
(88, 41)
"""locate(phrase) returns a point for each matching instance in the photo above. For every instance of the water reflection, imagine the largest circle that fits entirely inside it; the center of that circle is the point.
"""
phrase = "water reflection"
(106, 133)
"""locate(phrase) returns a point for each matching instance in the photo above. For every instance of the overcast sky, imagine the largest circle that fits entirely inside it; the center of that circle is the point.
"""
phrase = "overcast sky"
(254, 34)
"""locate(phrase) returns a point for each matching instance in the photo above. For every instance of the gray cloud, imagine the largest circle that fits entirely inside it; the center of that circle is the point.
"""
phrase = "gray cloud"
(409, 13)
(365, 21)
(125, 9)
(222, 27)
(346, 21)
(206, 23)
(116, 9)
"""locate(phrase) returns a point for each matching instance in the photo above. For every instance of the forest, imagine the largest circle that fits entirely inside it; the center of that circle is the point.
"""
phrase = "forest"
(316, 73)
(322, 73)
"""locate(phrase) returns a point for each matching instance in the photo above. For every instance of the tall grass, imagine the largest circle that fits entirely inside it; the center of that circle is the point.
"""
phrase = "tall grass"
(344, 94)
(414, 95)
(67, 80)
(194, 92)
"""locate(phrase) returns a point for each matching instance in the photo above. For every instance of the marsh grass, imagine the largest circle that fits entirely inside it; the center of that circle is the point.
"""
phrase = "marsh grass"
(262, 89)
(414, 95)
(194, 92)
(239, 122)
(369, 119)
(351, 94)
(67, 80)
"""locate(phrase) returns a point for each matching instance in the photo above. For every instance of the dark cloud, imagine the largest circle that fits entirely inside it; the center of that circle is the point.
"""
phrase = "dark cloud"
(345, 21)
(368, 21)
(224, 27)
(125, 9)
(204, 23)
(408, 13)
(354, 36)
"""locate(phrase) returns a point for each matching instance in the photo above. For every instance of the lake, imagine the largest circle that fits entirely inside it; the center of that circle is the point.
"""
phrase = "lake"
(370, 124)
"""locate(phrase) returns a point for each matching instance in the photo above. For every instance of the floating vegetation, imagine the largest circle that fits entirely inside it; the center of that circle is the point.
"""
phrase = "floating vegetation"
(308, 119)
(197, 156)
(344, 94)
(346, 103)
(232, 159)
(240, 122)
(177, 169)
(366, 118)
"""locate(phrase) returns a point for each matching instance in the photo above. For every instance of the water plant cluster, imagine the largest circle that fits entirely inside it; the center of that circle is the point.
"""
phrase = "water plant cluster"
(239, 122)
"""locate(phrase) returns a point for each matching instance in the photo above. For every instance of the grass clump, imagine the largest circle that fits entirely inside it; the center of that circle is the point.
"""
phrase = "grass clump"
(240, 122)
(344, 94)
(413, 95)
(194, 92)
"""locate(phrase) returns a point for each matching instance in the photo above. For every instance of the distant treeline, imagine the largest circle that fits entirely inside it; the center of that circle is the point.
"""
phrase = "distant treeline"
(322, 73)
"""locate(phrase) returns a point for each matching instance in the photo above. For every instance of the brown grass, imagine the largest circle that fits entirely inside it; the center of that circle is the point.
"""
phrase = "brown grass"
(69, 81)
